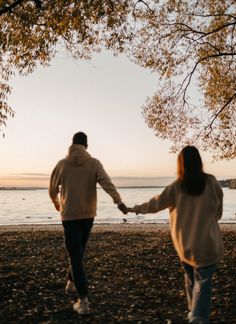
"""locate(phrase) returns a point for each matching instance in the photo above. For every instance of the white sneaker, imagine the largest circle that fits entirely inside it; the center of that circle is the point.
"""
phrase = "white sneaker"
(190, 315)
(82, 306)
(70, 287)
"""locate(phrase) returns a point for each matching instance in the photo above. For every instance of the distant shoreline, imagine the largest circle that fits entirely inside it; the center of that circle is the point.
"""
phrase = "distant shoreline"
(23, 188)
(226, 183)
(223, 184)
(45, 188)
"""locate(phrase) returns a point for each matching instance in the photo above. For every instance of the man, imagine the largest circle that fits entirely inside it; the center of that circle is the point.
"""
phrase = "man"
(73, 192)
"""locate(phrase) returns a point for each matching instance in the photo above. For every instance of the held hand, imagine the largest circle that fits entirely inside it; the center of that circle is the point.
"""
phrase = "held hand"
(57, 205)
(122, 207)
(131, 210)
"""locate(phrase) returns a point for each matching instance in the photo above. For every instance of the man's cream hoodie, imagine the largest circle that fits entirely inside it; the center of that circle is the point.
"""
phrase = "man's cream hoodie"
(193, 221)
(73, 184)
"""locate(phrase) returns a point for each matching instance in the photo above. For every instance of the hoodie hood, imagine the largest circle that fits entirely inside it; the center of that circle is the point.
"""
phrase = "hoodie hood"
(77, 155)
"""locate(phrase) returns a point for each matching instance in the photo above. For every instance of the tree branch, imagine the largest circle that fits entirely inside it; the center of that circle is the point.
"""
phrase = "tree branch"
(211, 15)
(219, 112)
(218, 29)
(9, 8)
(214, 118)
(188, 28)
(198, 32)
(188, 78)
(143, 2)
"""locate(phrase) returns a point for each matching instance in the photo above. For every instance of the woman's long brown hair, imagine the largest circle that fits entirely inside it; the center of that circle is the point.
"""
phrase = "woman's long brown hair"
(190, 171)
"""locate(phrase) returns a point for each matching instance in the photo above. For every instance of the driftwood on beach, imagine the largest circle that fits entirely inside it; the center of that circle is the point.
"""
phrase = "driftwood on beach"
(134, 275)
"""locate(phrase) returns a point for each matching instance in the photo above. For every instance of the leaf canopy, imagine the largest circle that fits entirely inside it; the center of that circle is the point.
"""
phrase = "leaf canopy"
(186, 43)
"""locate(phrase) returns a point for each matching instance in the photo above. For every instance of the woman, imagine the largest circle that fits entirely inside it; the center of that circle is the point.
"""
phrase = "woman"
(194, 200)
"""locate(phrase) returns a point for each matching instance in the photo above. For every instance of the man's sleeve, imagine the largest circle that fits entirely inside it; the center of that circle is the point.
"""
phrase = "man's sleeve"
(105, 182)
(55, 182)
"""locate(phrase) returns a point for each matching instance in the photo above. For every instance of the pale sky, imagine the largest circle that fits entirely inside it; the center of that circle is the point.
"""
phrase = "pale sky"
(103, 98)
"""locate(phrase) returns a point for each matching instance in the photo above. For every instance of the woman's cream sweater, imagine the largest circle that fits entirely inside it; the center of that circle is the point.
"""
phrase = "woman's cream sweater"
(193, 221)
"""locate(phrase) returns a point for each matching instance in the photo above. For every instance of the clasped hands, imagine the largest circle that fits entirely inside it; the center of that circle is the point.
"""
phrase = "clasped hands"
(125, 210)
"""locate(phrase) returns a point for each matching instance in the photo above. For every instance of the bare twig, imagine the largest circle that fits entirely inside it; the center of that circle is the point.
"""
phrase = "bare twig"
(211, 15)
(209, 126)
(143, 2)
(9, 8)
(220, 111)
(188, 78)
(198, 32)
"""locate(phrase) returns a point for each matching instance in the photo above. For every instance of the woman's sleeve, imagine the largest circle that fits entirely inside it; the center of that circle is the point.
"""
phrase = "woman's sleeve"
(165, 200)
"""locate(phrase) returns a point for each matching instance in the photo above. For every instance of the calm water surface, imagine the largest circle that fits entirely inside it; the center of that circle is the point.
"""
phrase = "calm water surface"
(35, 207)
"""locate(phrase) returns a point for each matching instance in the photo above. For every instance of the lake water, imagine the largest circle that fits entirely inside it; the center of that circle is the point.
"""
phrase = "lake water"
(35, 207)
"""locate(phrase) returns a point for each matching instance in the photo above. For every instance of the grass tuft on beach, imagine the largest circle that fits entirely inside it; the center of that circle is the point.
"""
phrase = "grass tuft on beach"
(134, 277)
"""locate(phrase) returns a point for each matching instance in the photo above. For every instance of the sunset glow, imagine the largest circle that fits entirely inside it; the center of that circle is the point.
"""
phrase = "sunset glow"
(103, 98)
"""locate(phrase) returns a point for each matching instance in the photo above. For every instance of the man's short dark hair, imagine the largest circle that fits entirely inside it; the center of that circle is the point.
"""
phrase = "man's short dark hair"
(80, 138)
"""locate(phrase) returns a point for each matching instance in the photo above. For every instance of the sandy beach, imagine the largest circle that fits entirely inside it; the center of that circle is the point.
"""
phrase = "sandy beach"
(134, 276)
(125, 227)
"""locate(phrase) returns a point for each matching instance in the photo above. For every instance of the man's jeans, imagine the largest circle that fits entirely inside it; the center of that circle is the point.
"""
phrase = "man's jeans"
(76, 236)
(198, 289)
